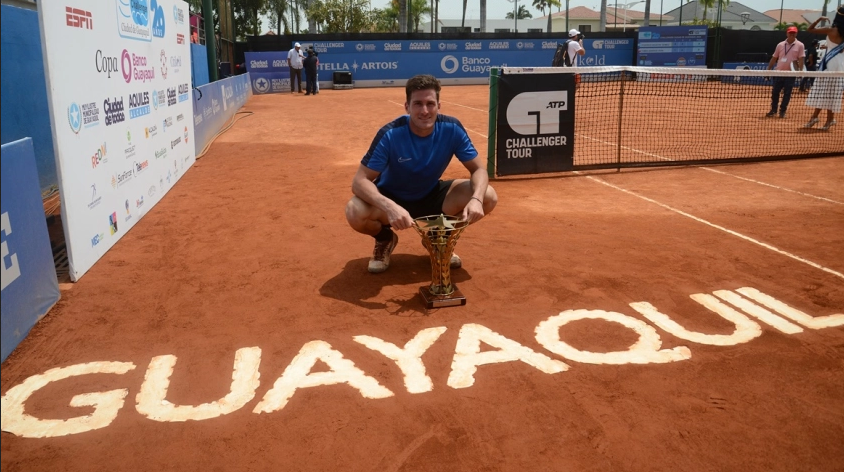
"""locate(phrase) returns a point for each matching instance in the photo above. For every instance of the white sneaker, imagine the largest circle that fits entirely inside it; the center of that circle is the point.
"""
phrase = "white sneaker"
(380, 260)
(455, 263)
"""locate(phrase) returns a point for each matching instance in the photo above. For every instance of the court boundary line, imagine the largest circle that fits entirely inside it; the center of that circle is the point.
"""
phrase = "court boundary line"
(714, 170)
(464, 127)
(713, 225)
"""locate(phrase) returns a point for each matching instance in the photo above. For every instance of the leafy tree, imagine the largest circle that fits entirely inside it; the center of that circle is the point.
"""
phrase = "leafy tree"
(341, 16)
(386, 20)
(524, 14)
(542, 5)
(277, 11)
(246, 17)
(418, 8)
(707, 4)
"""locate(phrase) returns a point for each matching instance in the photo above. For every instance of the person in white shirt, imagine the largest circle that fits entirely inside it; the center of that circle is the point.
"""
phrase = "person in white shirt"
(575, 47)
(295, 60)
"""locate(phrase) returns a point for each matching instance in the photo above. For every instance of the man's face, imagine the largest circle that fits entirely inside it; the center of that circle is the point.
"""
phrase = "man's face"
(792, 36)
(423, 109)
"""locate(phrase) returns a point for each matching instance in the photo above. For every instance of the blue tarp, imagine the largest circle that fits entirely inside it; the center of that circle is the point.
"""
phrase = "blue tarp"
(29, 284)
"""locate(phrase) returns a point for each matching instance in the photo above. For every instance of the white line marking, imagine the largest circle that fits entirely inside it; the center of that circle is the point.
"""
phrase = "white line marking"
(716, 171)
(467, 129)
(713, 225)
(774, 186)
(464, 106)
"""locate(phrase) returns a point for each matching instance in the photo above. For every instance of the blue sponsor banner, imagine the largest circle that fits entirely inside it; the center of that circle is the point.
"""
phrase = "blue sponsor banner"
(29, 284)
(269, 72)
(385, 63)
(266, 61)
(746, 66)
(215, 103)
(672, 46)
(270, 82)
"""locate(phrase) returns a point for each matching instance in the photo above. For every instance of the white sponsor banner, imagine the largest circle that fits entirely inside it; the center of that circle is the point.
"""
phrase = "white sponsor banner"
(119, 89)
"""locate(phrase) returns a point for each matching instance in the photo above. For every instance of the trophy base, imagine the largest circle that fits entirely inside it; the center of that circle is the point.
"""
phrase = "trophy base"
(441, 301)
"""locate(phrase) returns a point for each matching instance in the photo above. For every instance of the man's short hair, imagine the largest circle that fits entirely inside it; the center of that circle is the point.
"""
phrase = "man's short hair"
(422, 82)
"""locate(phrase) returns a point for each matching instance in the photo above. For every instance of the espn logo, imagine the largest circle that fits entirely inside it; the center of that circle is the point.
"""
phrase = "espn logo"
(77, 18)
(180, 38)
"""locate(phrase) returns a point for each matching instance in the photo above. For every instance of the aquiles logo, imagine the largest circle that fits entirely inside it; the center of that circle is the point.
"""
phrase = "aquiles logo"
(78, 18)
(138, 104)
(184, 89)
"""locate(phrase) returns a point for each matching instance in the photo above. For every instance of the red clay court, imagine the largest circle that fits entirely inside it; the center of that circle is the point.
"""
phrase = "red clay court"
(676, 319)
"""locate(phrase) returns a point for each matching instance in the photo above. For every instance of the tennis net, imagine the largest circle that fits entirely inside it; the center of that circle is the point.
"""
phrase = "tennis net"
(636, 116)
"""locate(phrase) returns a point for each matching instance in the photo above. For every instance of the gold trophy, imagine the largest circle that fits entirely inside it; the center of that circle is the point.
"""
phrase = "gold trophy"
(439, 236)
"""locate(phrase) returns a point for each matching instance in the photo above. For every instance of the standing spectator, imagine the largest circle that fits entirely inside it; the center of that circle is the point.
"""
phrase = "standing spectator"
(575, 46)
(294, 62)
(791, 51)
(311, 62)
(811, 65)
(827, 92)
(316, 55)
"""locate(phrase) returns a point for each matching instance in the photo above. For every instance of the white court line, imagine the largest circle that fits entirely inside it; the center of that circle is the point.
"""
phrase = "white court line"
(713, 225)
(467, 129)
(773, 186)
(464, 106)
(717, 171)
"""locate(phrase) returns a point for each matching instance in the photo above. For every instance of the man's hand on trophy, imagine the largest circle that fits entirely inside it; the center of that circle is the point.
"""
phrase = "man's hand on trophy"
(473, 211)
(399, 218)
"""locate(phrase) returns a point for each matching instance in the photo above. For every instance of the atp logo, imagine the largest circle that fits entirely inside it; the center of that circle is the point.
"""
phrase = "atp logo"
(534, 113)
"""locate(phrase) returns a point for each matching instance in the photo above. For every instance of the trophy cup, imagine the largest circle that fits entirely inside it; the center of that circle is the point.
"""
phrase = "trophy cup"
(439, 236)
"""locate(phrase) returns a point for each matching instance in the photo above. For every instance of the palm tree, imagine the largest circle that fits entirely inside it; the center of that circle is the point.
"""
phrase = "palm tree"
(483, 16)
(402, 16)
(603, 26)
(707, 4)
(647, 21)
(463, 21)
(418, 8)
(524, 14)
(542, 5)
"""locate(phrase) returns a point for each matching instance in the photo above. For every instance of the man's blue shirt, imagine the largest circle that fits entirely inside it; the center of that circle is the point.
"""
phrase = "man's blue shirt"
(411, 166)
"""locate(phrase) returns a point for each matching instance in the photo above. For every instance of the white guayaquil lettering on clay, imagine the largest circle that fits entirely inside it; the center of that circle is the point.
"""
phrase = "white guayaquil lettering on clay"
(298, 375)
(759, 312)
(816, 322)
(152, 398)
(106, 404)
(409, 359)
(644, 351)
(468, 355)
(746, 329)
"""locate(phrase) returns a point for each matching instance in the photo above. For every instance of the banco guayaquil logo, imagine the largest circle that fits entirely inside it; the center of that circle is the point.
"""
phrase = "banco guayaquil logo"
(534, 113)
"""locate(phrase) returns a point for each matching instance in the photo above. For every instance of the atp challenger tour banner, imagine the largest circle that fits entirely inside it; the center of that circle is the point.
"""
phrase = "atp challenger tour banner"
(391, 63)
(119, 89)
(535, 123)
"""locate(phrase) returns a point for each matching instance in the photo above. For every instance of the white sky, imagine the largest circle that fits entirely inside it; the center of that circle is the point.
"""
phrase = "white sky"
(497, 9)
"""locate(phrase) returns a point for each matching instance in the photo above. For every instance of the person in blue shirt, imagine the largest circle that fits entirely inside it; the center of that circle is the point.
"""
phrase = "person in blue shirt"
(399, 177)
